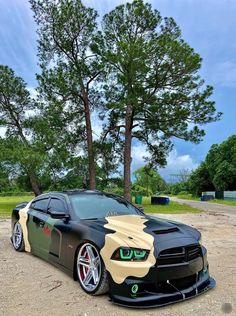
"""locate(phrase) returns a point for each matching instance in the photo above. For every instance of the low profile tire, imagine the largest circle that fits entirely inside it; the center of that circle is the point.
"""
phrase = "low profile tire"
(91, 271)
(17, 237)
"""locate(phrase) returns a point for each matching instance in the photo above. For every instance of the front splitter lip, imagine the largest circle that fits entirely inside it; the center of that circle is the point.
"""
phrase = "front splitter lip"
(157, 300)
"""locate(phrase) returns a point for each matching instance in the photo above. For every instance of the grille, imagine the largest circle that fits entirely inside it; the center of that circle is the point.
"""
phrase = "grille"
(179, 255)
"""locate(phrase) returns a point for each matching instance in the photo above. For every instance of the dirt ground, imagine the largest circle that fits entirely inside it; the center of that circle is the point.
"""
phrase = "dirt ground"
(30, 286)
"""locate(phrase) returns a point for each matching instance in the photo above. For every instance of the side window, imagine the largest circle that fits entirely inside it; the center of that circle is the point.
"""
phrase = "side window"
(57, 205)
(40, 205)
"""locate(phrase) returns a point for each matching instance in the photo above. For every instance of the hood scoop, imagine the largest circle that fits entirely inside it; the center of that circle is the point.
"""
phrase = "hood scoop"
(165, 230)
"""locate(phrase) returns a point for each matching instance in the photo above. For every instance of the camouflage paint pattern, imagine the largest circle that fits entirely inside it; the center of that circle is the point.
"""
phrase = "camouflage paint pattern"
(23, 218)
(126, 227)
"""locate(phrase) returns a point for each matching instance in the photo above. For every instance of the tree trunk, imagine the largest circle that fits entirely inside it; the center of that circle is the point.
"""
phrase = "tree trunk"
(92, 167)
(127, 153)
(34, 184)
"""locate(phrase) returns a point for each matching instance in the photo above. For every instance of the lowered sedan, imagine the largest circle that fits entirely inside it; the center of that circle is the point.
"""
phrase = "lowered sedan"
(109, 245)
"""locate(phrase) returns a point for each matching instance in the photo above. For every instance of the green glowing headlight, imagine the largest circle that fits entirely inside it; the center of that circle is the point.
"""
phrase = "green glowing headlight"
(140, 254)
(130, 254)
(126, 254)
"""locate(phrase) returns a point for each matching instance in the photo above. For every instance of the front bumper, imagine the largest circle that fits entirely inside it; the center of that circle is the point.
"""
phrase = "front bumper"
(164, 285)
(171, 294)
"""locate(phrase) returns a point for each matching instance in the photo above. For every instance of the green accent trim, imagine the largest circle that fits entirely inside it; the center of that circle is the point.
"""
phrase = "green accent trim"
(126, 257)
(134, 288)
(205, 270)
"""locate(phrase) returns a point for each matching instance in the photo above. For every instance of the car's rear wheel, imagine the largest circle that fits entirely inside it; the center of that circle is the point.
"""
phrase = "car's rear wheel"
(91, 271)
(17, 237)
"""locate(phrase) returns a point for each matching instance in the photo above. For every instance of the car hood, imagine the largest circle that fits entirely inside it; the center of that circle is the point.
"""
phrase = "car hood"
(146, 231)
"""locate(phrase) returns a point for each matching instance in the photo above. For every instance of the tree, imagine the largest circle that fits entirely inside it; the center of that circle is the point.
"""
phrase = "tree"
(149, 179)
(153, 89)
(200, 181)
(218, 171)
(4, 178)
(65, 30)
(221, 164)
(16, 147)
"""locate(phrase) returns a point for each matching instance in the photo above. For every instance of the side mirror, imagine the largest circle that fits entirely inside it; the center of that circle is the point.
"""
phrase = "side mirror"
(140, 208)
(59, 215)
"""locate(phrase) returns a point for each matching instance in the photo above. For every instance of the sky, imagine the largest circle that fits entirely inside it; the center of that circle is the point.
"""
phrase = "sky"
(209, 26)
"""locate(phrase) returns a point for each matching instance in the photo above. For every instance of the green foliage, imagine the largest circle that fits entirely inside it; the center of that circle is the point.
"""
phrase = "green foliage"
(200, 180)
(147, 181)
(18, 147)
(178, 187)
(69, 69)
(218, 171)
(7, 203)
(15, 101)
(221, 164)
(4, 178)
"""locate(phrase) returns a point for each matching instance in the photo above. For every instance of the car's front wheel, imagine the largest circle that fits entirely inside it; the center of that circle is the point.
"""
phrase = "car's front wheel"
(17, 237)
(91, 271)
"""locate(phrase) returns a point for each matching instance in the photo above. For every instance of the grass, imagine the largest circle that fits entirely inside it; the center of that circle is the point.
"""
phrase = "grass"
(172, 208)
(195, 198)
(188, 197)
(7, 203)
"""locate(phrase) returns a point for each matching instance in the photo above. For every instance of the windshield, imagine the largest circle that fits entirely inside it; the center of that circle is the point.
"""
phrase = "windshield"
(89, 206)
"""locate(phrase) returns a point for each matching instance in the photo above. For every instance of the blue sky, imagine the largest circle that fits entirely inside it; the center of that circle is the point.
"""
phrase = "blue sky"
(209, 26)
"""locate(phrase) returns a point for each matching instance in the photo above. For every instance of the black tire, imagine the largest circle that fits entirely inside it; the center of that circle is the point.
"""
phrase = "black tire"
(102, 286)
(18, 245)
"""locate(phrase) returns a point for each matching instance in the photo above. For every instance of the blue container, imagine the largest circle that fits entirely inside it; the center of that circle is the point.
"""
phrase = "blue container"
(160, 200)
(207, 197)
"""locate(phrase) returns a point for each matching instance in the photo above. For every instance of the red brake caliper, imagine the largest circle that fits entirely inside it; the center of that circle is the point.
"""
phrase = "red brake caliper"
(83, 269)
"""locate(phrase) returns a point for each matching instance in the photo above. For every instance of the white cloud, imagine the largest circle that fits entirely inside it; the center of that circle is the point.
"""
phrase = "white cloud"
(96, 125)
(138, 153)
(32, 91)
(175, 162)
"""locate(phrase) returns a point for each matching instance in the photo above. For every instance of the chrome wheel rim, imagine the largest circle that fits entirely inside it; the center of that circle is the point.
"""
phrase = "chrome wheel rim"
(89, 267)
(17, 235)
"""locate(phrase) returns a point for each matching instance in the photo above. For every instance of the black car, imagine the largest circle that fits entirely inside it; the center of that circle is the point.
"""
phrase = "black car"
(109, 245)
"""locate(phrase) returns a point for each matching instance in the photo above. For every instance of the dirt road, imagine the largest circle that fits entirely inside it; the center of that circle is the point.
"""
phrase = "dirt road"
(30, 286)
(208, 206)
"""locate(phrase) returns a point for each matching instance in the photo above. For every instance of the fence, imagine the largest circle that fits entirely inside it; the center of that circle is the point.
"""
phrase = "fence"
(224, 195)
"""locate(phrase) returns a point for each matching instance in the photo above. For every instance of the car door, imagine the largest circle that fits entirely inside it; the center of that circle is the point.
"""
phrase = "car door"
(37, 228)
(47, 233)
(58, 228)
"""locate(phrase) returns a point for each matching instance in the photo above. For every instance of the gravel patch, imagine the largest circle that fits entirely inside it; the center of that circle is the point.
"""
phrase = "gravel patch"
(30, 286)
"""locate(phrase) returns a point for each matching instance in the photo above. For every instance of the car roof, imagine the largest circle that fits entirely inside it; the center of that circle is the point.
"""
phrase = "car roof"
(71, 192)
(74, 192)
(79, 191)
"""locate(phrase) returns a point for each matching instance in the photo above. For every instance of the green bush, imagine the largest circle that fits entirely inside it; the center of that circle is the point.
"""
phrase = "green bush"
(140, 190)
(16, 193)
(183, 193)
